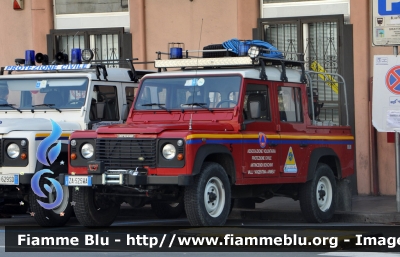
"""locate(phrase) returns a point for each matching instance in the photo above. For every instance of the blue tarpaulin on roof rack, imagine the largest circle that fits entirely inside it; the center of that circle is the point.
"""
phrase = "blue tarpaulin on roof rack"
(240, 47)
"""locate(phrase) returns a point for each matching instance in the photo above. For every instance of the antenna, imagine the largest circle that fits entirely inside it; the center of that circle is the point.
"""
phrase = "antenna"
(197, 67)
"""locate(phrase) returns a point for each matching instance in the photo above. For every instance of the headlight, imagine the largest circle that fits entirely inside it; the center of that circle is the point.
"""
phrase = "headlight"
(87, 150)
(169, 151)
(13, 151)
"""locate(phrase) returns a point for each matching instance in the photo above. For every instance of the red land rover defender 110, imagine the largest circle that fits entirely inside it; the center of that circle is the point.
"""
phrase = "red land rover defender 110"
(213, 130)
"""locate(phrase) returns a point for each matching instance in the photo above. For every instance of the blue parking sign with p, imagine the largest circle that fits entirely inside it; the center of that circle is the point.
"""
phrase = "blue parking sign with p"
(389, 7)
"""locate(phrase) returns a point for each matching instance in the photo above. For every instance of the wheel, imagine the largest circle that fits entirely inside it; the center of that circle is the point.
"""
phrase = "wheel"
(318, 196)
(165, 210)
(94, 210)
(208, 200)
(225, 101)
(56, 217)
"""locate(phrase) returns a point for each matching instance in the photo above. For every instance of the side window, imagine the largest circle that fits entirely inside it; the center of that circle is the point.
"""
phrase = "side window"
(256, 103)
(104, 105)
(290, 107)
(130, 93)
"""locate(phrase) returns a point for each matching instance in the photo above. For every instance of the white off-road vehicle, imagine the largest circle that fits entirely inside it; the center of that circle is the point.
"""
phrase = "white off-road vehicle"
(76, 97)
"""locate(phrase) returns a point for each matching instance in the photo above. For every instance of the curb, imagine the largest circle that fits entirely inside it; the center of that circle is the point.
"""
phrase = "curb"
(296, 216)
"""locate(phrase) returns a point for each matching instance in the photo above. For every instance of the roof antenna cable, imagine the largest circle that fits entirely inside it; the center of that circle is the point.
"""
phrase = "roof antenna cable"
(195, 80)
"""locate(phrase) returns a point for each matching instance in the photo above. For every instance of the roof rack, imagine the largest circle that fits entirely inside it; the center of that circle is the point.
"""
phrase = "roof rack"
(193, 62)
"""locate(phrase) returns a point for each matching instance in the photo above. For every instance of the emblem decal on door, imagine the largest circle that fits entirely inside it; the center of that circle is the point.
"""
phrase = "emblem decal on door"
(290, 164)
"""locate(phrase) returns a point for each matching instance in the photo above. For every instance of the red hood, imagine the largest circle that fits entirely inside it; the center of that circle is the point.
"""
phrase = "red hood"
(158, 128)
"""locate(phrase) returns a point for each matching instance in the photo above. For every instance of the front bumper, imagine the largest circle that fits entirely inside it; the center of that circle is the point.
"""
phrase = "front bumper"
(124, 180)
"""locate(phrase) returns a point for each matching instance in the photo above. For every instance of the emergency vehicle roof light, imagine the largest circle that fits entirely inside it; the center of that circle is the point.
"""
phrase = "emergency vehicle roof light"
(76, 56)
(29, 58)
(87, 55)
(253, 52)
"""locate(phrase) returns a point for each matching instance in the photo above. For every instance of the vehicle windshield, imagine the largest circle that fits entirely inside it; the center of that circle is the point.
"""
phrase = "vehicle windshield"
(205, 92)
(43, 93)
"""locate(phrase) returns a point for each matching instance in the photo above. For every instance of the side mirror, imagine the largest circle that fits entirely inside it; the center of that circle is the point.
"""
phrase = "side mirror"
(100, 110)
(255, 110)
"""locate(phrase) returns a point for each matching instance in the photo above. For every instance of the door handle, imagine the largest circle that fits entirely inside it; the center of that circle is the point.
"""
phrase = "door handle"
(303, 145)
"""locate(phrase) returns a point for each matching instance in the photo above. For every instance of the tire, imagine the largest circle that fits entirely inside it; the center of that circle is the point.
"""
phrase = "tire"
(318, 196)
(165, 210)
(208, 199)
(56, 217)
(92, 212)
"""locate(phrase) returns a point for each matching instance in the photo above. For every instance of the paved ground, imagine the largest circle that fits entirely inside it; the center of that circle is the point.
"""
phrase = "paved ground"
(365, 209)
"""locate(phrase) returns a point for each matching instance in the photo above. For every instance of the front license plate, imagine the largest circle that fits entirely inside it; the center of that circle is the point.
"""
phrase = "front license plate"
(9, 179)
(78, 180)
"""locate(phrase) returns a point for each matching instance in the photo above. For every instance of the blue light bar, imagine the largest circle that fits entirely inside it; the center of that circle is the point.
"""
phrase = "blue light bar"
(29, 57)
(176, 53)
(76, 56)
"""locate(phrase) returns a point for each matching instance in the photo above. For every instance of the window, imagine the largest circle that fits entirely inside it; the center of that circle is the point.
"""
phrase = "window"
(324, 41)
(130, 93)
(107, 44)
(257, 98)
(46, 93)
(290, 107)
(188, 93)
(104, 105)
(90, 6)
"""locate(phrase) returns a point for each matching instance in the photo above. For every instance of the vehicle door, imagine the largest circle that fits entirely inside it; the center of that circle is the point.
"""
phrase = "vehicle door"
(129, 91)
(105, 105)
(291, 126)
(260, 137)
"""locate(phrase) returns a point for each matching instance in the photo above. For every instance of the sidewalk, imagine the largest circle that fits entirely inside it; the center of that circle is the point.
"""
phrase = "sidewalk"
(365, 209)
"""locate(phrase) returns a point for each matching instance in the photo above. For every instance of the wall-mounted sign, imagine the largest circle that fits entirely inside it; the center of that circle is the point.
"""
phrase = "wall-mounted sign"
(386, 93)
(385, 22)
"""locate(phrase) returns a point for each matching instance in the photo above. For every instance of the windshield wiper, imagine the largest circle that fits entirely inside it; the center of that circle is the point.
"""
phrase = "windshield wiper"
(51, 106)
(159, 105)
(12, 106)
(204, 105)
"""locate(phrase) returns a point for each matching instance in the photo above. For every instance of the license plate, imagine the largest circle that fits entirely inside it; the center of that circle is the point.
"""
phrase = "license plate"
(9, 179)
(78, 180)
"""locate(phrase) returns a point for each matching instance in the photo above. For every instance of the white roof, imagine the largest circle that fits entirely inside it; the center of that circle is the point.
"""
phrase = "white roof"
(273, 73)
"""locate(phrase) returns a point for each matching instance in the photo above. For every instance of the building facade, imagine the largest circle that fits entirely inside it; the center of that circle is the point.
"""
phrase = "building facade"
(116, 29)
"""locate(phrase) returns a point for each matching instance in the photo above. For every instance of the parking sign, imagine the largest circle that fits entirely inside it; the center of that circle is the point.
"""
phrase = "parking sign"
(386, 22)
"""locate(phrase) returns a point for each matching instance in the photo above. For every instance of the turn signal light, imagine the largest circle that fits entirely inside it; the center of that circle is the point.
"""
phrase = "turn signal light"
(23, 156)
(73, 156)
(179, 157)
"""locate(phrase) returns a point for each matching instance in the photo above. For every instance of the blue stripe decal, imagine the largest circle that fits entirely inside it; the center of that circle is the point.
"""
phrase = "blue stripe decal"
(61, 138)
(274, 141)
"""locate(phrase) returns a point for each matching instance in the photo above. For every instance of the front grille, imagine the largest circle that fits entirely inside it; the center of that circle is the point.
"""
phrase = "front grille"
(125, 153)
